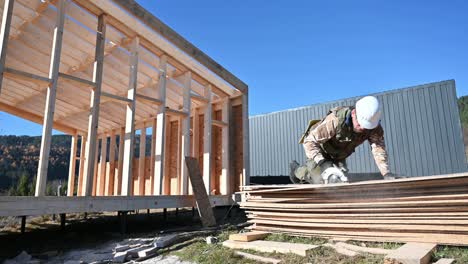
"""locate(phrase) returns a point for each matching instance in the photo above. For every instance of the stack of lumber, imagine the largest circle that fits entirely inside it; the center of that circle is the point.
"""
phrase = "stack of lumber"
(424, 209)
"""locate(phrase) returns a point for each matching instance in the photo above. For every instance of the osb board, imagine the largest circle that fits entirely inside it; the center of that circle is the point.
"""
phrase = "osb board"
(237, 159)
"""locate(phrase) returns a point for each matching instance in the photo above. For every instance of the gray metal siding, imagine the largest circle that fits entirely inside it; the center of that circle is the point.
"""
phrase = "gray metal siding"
(422, 132)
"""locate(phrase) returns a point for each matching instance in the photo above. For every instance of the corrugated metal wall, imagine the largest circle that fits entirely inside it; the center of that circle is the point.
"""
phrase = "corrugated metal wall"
(422, 132)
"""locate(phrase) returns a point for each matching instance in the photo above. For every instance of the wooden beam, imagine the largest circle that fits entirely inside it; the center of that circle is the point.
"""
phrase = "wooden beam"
(127, 180)
(177, 113)
(159, 151)
(141, 162)
(207, 158)
(5, 34)
(157, 25)
(80, 191)
(77, 79)
(14, 73)
(225, 182)
(72, 166)
(100, 189)
(185, 130)
(36, 118)
(221, 124)
(149, 99)
(43, 166)
(245, 138)
(199, 98)
(93, 120)
(116, 98)
(118, 181)
(110, 177)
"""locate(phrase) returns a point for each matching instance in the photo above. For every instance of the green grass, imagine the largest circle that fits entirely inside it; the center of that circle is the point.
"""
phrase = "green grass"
(460, 254)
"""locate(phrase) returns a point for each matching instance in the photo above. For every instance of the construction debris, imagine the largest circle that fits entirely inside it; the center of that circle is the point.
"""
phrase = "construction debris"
(257, 258)
(425, 209)
(411, 253)
(248, 236)
(271, 246)
(444, 261)
(211, 240)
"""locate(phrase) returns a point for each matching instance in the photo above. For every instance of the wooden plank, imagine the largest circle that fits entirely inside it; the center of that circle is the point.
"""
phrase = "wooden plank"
(5, 35)
(248, 236)
(411, 253)
(185, 131)
(101, 182)
(14, 73)
(159, 154)
(118, 180)
(80, 191)
(203, 202)
(271, 246)
(225, 180)
(110, 178)
(130, 121)
(445, 261)
(93, 119)
(72, 166)
(43, 166)
(257, 258)
(207, 139)
(141, 162)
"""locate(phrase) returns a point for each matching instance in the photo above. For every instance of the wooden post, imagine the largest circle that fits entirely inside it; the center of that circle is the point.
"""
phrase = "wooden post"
(153, 157)
(102, 169)
(245, 143)
(160, 130)
(111, 175)
(95, 173)
(95, 101)
(127, 180)
(118, 182)
(5, 34)
(207, 140)
(196, 133)
(80, 191)
(185, 129)
(225, 183)
(72, 167)
(41, 180)
(141, 162)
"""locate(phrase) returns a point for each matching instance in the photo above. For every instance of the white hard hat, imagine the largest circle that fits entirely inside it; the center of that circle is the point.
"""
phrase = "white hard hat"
(368, 112)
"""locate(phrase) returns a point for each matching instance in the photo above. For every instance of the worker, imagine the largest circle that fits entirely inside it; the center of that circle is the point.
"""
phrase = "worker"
(328, 142)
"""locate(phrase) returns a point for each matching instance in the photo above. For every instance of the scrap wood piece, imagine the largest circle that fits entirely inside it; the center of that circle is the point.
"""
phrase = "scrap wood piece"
(271, 246)
(203, 202)
(257, 258)
(378, 251)
(248, 236)
(444, 261)
(411, 253)
(341, 250)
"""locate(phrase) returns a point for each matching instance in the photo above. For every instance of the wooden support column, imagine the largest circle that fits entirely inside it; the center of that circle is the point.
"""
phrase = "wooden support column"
(207, 140)
(5, 34)
(110, 177)
(102, 169)
(159, 151)
(153, 157)
(95, 173)
(41, 180)
(196, 141)
(127, 180)
(118, 181)
(94, 106)
(225, 182)
(72, 167)
(185, 129)
(141, 162)
(245, 143)
(80, 191)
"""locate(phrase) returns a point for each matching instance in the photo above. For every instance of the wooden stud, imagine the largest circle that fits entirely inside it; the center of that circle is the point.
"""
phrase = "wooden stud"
(152, 157)
(18, 74)
(50, 102)
(80, 191)
(245, 138)
(72, 167)
(159, 163)
(207, 140)
(149, 99)
(102, 168)
(118, 181)
(225, 183)
(110, 177)
(127, 180)
(141, 162)
(94, 176)
(185, 131)
(5, 34)
(93, 120)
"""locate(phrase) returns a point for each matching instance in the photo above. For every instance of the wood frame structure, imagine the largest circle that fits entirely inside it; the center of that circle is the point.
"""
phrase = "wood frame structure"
(109, 70)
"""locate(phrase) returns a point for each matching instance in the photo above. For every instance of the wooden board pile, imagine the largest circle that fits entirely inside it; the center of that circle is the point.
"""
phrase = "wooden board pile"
(425, 209)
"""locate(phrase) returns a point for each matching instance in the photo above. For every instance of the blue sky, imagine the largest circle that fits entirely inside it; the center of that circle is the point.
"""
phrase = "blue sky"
(296, 53)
